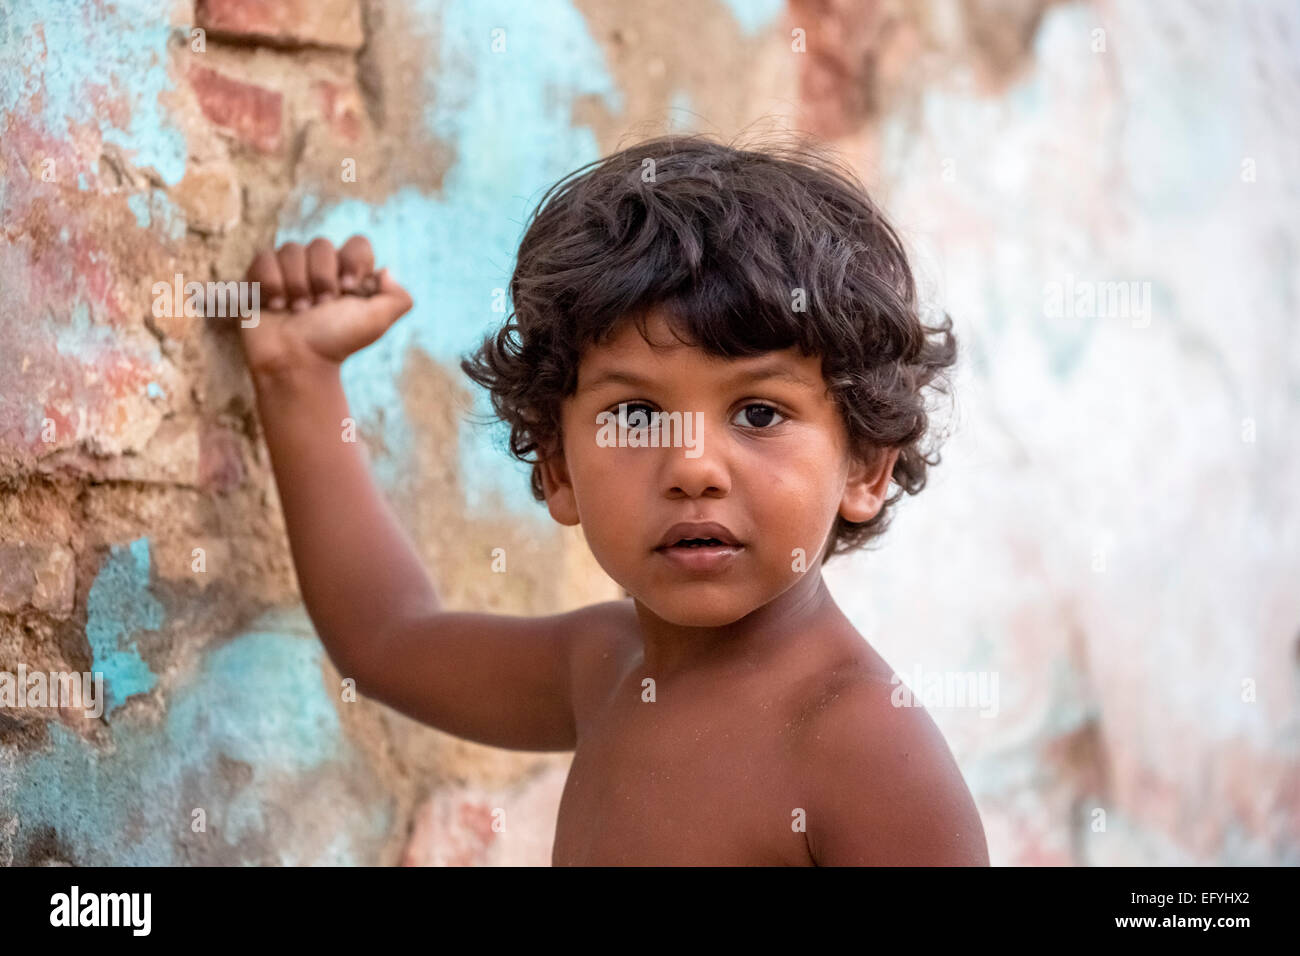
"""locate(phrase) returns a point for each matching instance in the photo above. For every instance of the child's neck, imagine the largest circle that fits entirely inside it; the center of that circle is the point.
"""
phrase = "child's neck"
(803, 612)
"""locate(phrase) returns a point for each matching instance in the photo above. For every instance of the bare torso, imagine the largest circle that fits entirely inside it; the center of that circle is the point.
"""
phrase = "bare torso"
(709, 772)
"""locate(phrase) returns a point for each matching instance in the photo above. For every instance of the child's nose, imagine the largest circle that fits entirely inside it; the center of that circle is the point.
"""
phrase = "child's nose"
(696, 471)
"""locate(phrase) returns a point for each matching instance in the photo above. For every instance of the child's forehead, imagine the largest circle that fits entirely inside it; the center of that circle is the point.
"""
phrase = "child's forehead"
(630, 359)
(656, 345)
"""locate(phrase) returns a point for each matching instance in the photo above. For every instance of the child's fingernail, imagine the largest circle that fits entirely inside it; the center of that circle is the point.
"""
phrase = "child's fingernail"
(347, 280)
(300, 304)
(277, 302)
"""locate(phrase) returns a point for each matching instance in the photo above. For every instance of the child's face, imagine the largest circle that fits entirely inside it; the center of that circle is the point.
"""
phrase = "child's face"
(775, 481)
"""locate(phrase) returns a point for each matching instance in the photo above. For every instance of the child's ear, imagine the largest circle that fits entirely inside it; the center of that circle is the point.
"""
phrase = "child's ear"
(557, 487)
(867, 485)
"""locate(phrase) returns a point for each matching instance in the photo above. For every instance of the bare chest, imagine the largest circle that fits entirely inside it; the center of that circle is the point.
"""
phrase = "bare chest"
(668, 783)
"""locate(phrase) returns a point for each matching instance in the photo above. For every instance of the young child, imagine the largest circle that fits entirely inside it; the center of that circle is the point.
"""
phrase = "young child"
(757, 304)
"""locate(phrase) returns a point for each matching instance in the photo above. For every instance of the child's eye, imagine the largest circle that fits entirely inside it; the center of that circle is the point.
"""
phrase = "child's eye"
(761, 418)
(634, 415)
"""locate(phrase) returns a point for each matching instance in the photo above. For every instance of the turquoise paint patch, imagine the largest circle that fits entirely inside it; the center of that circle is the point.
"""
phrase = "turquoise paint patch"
(681, 112)
(168, 215)
(139, 204)
(119, 605)
(754, 16)
(508, 117)
(155, 209)
(90, 344)
(258, 700)
(86, 340)
(120, 46)
(308, 206)
(79, 329)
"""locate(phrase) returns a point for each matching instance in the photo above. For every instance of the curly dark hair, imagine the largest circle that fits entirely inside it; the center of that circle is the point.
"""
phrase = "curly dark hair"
(722, 238)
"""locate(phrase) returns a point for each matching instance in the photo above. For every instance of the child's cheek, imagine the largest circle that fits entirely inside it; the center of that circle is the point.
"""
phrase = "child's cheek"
(793, 514)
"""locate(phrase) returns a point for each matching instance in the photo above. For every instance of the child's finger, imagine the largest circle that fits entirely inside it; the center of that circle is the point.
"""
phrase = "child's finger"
(322, 270)
(399, 298)
(265, 271)
(384, 308)
(293, 264)
(356, 260)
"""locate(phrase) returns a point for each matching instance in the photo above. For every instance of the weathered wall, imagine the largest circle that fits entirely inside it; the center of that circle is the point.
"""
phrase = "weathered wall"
(1113, 532)
(1108, 532)
(132, 151)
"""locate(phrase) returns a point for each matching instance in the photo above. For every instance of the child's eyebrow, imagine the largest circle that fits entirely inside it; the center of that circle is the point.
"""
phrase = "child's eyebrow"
(764, 373)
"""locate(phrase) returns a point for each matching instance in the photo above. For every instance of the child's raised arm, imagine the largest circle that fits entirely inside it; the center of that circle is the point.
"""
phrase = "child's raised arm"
(498, 680)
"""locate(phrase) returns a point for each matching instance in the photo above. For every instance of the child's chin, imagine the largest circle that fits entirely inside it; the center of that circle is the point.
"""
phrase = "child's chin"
(698, 610)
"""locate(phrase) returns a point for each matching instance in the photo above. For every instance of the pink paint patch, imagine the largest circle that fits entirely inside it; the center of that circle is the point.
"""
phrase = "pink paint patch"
(73, 316)
(455, 826)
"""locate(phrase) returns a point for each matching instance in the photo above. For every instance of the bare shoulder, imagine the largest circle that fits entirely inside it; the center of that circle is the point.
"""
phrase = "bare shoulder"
(884, 789)
(602, 637)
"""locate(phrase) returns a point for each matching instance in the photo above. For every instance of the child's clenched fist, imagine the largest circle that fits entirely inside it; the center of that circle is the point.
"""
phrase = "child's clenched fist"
(318, 304)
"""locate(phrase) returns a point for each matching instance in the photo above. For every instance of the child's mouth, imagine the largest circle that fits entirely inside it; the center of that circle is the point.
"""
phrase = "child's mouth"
(700, 554)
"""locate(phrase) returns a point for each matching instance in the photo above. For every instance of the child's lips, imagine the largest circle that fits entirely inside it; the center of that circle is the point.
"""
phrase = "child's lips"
(701, 559)
(698, 530)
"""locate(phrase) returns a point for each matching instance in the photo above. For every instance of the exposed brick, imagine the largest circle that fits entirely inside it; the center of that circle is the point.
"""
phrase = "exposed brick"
(170, 456)
(209, 195)
(251, 113)
(16, 578)
(341, 107)
(56, 580)
(333, 23)
(221, 459)
(42, 576)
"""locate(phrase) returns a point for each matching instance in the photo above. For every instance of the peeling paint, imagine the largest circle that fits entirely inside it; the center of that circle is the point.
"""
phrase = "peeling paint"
(256, 700)
(71, 57)
(754, 16)
(452, 251)
(119, 606)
